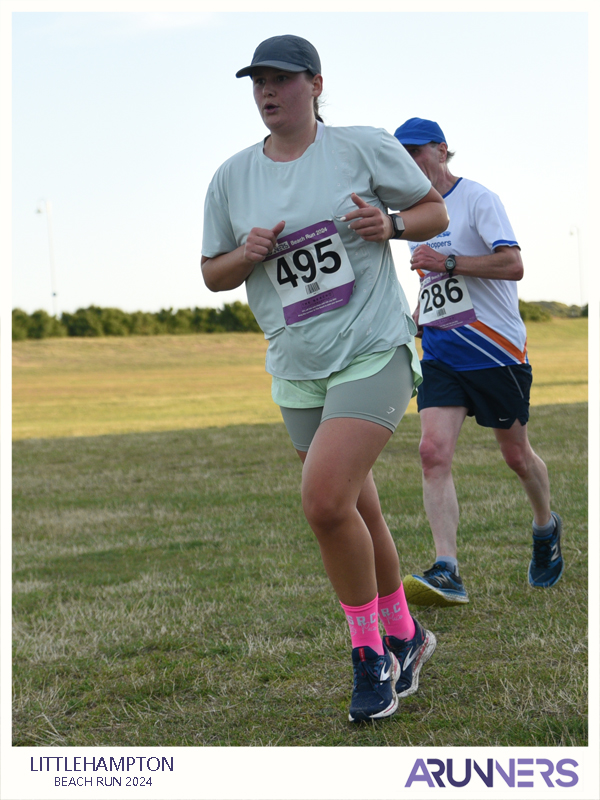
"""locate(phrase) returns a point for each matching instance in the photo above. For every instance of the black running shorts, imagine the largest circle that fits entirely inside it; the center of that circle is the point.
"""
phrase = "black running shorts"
(496, 397)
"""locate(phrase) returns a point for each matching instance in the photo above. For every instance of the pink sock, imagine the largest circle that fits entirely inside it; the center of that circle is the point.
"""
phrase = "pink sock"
(364, 626)
(394, 613)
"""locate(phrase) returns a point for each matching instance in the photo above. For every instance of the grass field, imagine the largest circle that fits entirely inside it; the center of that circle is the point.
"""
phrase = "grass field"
(168, 591)
(87, 387)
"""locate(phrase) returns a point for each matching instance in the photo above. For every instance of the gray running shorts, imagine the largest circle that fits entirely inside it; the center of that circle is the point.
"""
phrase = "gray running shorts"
(381, 398)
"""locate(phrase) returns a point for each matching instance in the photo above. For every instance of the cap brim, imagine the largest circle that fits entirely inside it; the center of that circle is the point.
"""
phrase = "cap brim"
(284, 65)
(413, 140)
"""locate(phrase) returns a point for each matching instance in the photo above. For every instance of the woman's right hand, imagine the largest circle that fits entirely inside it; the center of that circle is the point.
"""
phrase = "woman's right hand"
(229, 270)
(261, 242)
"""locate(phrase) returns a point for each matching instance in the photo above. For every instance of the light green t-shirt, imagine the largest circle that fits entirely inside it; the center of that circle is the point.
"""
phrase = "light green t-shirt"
(249, 190)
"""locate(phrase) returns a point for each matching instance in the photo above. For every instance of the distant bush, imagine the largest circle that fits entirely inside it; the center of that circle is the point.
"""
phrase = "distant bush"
(556, 309)
(96, 321)
(533, 312)
(544, 310)
(39, 325)
(237, 316)
(20, 325)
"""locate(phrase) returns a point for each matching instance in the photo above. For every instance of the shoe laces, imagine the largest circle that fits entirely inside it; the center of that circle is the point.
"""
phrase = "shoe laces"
(436, 570)
(542, 551)
(368, 672)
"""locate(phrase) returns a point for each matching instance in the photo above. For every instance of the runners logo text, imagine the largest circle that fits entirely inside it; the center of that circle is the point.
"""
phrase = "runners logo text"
(514, 772)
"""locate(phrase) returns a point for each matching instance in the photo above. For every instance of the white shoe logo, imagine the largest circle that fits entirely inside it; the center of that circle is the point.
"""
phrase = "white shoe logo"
(385, 674)
(410, 658)
(554, 551)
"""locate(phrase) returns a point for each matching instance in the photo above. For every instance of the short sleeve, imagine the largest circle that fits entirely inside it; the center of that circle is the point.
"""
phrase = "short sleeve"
(492, 223)
(398, 181)
(217, 235)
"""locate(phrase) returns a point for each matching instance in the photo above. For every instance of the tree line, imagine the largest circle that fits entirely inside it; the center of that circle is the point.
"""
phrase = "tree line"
(96, 321)
(237, 316)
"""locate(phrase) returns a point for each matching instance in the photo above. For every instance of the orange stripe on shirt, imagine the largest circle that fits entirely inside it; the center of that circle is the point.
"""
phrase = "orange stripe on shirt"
(505, 344)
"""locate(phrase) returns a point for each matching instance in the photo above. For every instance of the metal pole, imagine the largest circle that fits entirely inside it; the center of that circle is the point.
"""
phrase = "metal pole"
(48, 208)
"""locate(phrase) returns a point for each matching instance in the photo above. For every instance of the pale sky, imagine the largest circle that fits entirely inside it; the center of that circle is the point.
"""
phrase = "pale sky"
(120, 120)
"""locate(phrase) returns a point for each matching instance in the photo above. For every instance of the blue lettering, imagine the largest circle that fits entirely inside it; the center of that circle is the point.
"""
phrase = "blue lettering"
(437, 775)
(548, 772)
(419, 772)
(489, 778)
(510, 778)
(562, 771)
(467, 773)
(525, 773)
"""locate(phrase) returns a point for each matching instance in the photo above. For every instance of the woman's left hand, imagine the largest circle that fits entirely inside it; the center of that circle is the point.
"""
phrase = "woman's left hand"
(369, 222)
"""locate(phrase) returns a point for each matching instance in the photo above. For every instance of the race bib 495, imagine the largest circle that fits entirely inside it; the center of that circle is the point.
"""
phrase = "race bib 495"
(311, 272)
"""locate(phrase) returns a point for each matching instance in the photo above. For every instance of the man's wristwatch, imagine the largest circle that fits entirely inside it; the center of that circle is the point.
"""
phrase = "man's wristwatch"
(450, 264)
(397, 225)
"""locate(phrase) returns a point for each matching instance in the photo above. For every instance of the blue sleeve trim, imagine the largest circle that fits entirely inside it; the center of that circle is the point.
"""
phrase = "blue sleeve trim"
(504, 243)
(452, 189)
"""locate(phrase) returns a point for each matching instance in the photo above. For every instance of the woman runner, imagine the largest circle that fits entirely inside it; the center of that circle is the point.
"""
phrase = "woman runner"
(301, 218)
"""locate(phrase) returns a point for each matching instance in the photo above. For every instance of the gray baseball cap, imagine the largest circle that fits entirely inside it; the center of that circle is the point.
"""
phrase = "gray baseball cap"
(289, 53)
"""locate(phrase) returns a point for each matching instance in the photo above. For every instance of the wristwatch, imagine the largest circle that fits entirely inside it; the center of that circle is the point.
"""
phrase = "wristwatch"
(450, 264)
(397, 225)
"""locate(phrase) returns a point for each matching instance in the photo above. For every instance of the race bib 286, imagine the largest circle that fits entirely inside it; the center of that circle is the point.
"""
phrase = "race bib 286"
(444, 301)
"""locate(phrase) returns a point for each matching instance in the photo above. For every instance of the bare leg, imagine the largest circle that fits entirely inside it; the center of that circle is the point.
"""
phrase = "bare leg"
(387, 564)
(529, 467)
(440, 428)
(335, 479)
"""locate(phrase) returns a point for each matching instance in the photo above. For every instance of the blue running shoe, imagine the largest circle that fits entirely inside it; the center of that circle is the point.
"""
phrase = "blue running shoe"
(547, 564)
(375, 676)
(411, 655)
(439, 586)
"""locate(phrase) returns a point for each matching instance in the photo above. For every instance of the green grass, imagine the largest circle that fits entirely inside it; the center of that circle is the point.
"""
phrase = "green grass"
(89, 387)
(168, 592)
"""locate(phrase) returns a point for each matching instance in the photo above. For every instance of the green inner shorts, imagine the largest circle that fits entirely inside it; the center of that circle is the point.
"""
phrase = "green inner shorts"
(381, 398)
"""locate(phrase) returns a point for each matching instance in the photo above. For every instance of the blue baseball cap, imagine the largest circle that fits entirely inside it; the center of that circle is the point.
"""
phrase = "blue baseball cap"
(289, 53)
(419, 131)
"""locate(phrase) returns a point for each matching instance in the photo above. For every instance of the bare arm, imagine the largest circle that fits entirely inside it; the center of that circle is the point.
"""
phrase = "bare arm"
(230, 270)
(503, 264)
(422, 221)
(426, 218)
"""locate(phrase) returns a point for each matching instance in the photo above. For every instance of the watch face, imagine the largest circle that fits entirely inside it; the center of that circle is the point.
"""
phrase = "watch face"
(398, 223)
(450, 262)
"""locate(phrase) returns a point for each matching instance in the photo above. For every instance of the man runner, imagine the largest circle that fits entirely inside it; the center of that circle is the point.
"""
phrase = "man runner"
(474, 364)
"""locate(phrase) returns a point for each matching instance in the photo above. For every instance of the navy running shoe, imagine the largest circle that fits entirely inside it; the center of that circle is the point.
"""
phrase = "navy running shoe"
(439, 586)
(411, 655)
(375, 676)
(547, 564)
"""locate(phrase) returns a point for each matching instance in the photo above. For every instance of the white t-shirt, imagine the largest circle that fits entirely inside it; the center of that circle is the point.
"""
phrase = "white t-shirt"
(478, 225)
(326, 296)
